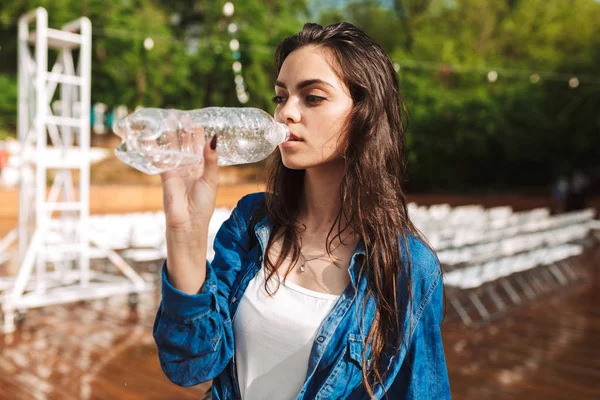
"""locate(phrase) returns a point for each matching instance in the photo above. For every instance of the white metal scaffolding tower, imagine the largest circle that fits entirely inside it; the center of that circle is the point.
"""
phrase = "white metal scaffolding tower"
(55, 244)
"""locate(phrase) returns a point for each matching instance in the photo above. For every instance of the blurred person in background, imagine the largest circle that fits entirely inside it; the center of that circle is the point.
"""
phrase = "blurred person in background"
(321, 287)
(578, 188)
(560, 192)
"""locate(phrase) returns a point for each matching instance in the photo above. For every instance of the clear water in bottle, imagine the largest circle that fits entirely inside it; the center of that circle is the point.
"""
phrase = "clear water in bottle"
(156, 140)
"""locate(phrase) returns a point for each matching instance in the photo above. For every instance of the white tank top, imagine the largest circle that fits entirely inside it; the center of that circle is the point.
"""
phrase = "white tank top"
(274, 336)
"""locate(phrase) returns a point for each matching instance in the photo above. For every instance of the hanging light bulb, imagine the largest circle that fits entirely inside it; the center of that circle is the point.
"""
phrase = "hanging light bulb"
(574, 82)
(243, 98)
(492, 76)
(534, 78)
(228, 9)
(234, 45)
(148, 43)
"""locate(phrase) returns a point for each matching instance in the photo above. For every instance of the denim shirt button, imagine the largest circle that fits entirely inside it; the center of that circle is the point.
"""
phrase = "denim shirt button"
(234, 299)
(321, 339)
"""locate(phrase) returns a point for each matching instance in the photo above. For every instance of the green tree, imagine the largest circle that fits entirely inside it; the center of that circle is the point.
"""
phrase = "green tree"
(190, 63)
(465, 131)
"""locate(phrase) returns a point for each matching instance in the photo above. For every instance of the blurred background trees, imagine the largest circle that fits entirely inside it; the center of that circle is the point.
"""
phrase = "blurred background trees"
(501, 95)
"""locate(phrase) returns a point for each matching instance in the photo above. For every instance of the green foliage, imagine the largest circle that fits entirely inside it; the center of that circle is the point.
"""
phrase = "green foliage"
(190, 63)
(464, 132)
(8, 105)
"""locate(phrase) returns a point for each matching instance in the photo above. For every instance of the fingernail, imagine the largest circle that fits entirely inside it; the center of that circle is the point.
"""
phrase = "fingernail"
(213, 142)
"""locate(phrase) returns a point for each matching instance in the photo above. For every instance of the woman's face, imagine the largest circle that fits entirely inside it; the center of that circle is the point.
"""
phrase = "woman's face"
(314, 104)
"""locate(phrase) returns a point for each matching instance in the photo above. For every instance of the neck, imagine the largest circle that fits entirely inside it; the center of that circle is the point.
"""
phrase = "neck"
(321, 198)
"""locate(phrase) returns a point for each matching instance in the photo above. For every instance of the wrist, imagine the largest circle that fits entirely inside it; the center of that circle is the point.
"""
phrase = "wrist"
(188, 231)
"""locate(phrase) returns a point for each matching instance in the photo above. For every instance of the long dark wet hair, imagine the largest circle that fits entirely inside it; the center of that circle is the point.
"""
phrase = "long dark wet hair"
(373, 204)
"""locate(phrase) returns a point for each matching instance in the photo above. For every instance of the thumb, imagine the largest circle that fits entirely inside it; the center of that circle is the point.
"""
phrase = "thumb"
(211, 167)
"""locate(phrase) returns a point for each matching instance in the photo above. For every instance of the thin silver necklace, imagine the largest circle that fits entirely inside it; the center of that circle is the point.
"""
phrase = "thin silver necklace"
(302, 267)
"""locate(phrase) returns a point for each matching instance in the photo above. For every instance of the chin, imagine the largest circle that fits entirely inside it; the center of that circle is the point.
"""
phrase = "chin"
(293, 164)
(303, 164)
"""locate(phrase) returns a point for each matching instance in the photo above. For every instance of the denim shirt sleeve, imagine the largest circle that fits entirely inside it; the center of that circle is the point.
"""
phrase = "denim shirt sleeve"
(193, 333)
(423, 374)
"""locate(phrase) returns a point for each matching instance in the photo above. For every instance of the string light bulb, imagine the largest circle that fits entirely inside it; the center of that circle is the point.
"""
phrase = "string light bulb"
(148, 43)
(573, 82)
(228, 9)
(237, 67)
(234, 45)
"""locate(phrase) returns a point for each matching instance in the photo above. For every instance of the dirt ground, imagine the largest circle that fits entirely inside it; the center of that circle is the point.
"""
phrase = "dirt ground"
(112, 199)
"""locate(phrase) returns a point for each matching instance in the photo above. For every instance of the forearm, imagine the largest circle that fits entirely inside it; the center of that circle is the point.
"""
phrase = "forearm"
(186, 258)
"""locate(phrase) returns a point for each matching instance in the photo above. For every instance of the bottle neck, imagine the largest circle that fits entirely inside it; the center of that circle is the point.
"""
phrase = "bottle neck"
(285, 131)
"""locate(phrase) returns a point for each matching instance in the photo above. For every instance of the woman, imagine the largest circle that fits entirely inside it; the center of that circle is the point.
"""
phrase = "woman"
(321, 288)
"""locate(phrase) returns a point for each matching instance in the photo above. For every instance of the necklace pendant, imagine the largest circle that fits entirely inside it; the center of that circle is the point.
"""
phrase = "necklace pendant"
(302, 268)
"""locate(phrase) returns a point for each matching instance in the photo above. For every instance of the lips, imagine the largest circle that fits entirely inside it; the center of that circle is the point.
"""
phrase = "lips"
(294, 138)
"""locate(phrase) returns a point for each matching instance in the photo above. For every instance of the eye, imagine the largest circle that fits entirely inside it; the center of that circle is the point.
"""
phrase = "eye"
(278, 99)
(313, 99)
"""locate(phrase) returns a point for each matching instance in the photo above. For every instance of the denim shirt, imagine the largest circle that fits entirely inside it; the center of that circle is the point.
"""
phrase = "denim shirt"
(194, 333)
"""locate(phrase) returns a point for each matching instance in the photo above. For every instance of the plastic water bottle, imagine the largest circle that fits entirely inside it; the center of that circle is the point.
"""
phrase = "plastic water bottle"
(156, 140)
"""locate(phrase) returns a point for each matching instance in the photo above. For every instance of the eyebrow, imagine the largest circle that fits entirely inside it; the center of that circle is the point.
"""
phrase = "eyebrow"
(305, 83)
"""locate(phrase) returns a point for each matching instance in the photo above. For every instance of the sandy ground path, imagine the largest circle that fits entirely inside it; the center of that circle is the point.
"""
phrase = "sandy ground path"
(110, 199)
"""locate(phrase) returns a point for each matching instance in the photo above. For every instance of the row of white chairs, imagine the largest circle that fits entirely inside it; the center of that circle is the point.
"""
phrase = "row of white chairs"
(122, 231)
(530, 258)
(512, 245)
(532, 219)
(455, 237)
(142, 235)
(477, 275)
(473, 215)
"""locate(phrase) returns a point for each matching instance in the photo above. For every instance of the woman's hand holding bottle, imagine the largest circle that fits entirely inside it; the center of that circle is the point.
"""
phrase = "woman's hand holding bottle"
(189, 197)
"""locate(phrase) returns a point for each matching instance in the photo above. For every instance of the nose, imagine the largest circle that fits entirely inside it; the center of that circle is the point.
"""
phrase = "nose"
(289, 111)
